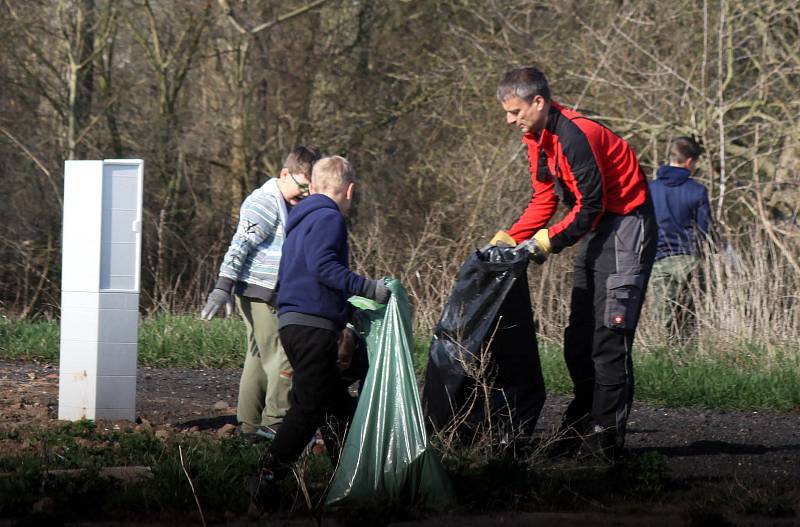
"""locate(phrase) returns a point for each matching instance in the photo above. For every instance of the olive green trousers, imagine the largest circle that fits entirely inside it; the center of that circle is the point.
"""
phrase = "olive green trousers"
(671, 295)
(267, 374)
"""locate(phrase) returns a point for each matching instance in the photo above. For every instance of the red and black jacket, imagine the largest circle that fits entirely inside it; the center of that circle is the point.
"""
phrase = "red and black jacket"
(585, 164)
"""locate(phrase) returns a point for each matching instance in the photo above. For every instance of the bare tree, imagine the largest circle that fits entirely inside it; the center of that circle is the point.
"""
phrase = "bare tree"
(234, 55)
(170, 55)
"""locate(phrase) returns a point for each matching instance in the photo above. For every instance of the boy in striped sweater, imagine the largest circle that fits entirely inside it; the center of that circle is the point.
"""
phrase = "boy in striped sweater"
(249, 273)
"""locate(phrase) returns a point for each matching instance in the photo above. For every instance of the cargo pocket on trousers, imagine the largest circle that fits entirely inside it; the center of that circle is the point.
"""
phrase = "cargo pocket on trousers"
(623, 299)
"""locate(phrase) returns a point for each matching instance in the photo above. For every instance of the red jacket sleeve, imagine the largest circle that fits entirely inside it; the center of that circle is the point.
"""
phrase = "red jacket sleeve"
(543, 202)
(582, 177)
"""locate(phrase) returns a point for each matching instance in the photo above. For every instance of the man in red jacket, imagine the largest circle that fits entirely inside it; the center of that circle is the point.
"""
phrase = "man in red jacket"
(596, 174)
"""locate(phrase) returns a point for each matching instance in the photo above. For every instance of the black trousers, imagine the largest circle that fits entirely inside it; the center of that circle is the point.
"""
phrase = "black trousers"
(612, 269)
(318, 398)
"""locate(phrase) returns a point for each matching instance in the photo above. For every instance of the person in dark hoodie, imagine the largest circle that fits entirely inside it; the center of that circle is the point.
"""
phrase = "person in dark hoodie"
(684, 222)
(315, 283)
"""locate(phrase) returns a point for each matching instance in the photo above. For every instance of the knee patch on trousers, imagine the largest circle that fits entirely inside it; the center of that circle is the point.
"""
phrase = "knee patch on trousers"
(623, 300)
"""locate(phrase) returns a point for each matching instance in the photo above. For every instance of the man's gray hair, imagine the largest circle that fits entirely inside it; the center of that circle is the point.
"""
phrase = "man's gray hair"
(525, 83)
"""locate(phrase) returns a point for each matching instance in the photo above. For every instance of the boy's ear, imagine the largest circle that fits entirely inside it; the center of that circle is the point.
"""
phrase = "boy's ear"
(312, 188)
(349, 193)
(283, 173)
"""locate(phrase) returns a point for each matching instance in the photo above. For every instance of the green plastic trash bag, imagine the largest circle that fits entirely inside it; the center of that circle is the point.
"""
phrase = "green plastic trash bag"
(387, 456)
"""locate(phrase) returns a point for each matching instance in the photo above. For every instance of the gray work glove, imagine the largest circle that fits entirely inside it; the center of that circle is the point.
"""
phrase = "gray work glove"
(376, 290)
(216, 299)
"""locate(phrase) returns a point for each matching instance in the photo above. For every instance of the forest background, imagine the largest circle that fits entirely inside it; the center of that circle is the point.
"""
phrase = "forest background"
(213, 94)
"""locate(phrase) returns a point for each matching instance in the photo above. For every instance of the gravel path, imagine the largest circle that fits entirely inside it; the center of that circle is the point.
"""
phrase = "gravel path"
(761, 446)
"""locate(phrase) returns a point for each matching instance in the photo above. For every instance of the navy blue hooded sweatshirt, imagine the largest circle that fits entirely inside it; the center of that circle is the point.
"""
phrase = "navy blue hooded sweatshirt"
(314, 279)
(681, 207)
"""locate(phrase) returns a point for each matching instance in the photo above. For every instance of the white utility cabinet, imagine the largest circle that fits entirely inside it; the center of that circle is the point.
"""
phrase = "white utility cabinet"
(101, 255)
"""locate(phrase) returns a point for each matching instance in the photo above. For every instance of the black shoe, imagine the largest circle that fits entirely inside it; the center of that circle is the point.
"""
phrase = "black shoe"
(563, 448)
(251, 438)
(267, 432)
(260, 435)
(568, 439)
(601, 445)
(270, 470)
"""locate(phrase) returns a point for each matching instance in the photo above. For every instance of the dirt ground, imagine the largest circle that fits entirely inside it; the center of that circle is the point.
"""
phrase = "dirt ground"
(699, 443)
(755, 449)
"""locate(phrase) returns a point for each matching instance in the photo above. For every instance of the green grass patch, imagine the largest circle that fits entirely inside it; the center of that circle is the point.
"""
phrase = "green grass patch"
(221, 470)
(64, 464)
(422, 345)
(681, 378)
(187, 342)
(673, 377)
(29, 340)
(182, 341)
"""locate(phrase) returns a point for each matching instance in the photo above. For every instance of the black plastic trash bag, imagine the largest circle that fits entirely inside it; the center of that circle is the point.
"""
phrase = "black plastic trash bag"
(483, 365)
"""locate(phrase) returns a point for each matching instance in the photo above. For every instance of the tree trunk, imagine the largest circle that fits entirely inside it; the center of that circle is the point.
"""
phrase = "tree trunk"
(81, 77)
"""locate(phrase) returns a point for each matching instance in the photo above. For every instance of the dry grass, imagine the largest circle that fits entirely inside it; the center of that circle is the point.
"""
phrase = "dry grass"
(748, 297)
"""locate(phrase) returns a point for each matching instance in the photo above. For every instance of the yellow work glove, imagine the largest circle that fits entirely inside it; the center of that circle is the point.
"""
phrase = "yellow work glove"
(503, 239)
(538, 246)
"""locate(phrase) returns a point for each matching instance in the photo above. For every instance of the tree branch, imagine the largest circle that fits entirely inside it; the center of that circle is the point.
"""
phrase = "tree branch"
(56, 190)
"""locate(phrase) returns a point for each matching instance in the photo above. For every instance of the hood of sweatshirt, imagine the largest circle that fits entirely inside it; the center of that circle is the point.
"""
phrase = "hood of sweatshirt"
(308, 206)
(672, 176)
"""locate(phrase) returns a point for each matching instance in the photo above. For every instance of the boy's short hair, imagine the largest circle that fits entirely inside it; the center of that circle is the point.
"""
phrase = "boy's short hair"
(682, 148)
(301, 160)
(332, 174)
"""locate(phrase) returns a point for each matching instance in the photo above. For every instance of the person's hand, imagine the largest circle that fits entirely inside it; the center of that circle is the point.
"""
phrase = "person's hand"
(502, 239)
(216, 299)
(382, 293)
(377, 290)
(347, 346)
(538, 247)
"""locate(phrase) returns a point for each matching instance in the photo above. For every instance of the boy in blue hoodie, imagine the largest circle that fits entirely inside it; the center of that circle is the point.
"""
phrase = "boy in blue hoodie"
(315, 283)
(683, 215)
